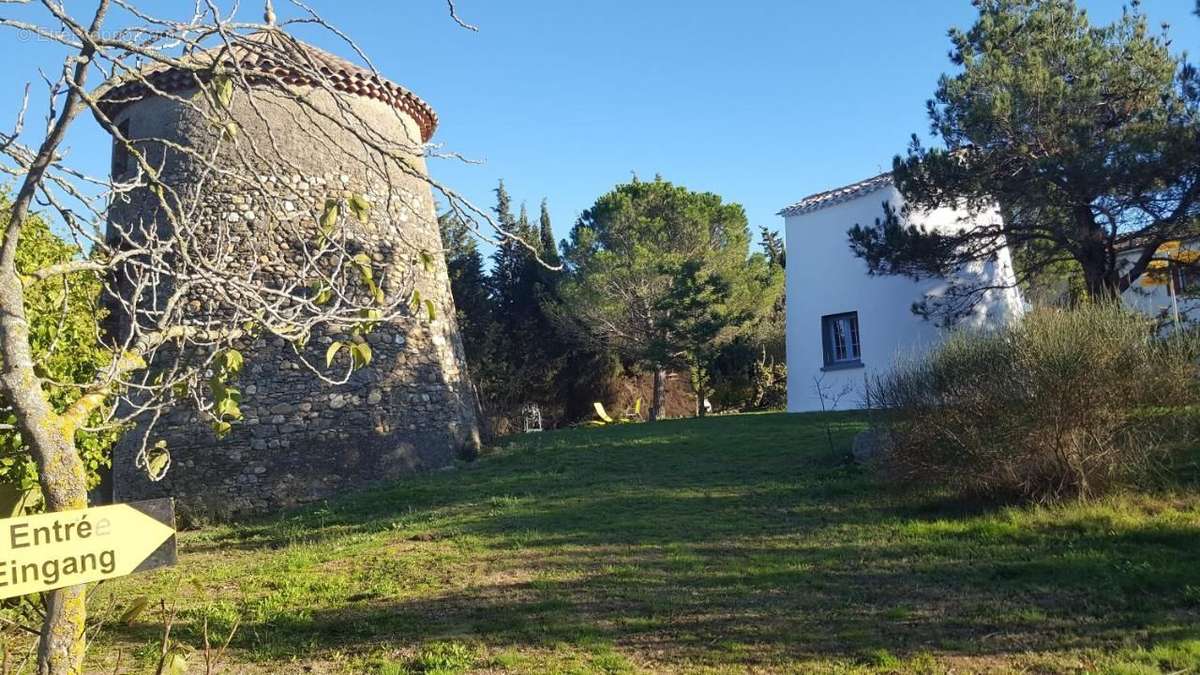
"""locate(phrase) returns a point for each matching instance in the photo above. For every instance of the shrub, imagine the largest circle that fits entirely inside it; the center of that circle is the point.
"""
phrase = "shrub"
(1064, 403)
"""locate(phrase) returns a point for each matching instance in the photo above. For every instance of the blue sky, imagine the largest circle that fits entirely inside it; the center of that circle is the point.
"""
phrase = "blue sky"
(760, 101)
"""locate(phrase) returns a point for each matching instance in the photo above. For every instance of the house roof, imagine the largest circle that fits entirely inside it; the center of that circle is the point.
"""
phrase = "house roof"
(271, 54)
(838, 195)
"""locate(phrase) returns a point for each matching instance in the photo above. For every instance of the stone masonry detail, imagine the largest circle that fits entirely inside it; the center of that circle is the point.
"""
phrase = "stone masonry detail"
(410, 409)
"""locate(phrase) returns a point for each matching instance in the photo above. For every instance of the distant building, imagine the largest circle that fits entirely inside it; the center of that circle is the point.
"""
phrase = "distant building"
(1170, 289)
(844, 325)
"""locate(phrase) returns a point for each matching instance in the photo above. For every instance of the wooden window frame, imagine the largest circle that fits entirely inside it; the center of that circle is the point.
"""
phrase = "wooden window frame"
(852, 348)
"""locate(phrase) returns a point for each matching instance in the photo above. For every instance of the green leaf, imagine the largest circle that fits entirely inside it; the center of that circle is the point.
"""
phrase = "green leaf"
(323, 295)
(360, 207)
(332, 352)
(223, 87)
(229, 408)
(432, 311)
(363, 262)
(426, 260)
(158, 461)
(217, 388)
(360, 354)
(135, 608)
(230, 131)
(329, 216)
(176, 664)
(221, 428)
(232, 360)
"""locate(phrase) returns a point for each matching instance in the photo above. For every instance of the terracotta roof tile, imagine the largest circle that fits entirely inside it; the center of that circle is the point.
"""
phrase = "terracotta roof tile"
(267, 53)
(828, 198)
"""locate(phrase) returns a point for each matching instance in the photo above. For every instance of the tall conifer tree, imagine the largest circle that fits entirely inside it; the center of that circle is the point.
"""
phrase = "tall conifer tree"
(1087, 136)
(546, 234)
(468, 284)
(505, 257)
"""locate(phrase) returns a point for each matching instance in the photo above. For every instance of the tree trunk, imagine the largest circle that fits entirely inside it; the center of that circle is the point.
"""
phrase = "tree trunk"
(49, 436)
(659, 406)
(1100, 284)
(1099, 275)
(51, 440)
(61, 648)
(699, 387)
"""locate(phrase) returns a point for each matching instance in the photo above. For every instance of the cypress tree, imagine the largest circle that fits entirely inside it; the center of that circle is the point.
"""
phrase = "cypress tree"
(506, 258)
(546, 234)
(525, 230)
(503, 208)
(468, 285)
(772, 245)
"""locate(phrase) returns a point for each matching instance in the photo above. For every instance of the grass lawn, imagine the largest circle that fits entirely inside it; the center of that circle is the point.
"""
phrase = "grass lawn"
(728, 544)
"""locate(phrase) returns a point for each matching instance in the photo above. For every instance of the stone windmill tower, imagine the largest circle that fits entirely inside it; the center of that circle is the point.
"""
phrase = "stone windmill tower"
(302, 438)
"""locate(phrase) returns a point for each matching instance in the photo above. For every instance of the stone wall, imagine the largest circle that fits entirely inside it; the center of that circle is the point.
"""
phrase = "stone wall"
(302, 439)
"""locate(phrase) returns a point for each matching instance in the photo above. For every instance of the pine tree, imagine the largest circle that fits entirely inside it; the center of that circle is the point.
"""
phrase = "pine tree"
(1088, 136)
(644, 251)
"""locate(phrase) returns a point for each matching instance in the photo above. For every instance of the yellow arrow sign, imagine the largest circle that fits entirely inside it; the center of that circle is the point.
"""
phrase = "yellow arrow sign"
(52, 550)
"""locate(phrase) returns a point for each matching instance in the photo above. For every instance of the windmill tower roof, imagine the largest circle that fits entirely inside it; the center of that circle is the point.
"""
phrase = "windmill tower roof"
(269, 55)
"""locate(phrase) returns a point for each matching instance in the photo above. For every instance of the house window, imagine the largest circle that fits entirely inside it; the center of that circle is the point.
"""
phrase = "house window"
(1185, 278)
(120, 153)
(840, 337)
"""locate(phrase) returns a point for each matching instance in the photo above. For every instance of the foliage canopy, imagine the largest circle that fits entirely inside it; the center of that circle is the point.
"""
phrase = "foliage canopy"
(1087, 136)
(663, 275)
(64, 316)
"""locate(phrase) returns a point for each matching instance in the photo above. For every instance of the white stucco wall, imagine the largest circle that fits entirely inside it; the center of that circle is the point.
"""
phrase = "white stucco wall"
(824, 277)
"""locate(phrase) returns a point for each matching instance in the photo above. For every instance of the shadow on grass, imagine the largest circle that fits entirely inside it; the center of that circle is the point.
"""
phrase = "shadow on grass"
(743, 540)
(794, 601)
(633, 467)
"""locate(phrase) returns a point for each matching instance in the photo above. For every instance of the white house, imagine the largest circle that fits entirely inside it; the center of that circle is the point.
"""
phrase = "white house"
(843, 324)
(1169, 289)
